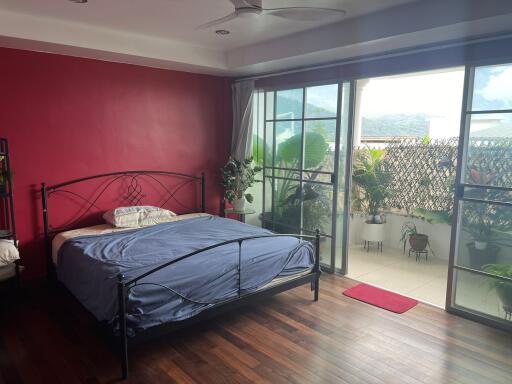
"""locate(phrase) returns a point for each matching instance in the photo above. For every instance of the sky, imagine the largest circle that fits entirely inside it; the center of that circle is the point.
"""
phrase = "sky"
(434, 94)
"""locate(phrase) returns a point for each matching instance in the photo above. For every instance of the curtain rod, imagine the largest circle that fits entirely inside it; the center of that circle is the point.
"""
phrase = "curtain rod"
(396, 53)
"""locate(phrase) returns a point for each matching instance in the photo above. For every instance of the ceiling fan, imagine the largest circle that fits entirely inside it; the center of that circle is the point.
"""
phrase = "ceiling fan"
(255, 8)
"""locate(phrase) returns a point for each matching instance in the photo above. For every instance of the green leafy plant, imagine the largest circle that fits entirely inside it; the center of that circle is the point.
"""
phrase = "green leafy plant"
(434, 217)
(289, 197)
(237, 176)
(409, 230)
(315, 204)
(425, 140)
(372, 184)
(259, 148)
(315, 150)
(502, 270)
(487, 223)
(503, 288)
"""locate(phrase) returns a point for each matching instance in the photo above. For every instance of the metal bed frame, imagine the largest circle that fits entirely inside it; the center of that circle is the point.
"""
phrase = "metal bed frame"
(134, 195)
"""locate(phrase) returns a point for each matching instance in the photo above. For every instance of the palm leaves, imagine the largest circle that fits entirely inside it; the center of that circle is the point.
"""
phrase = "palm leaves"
(371, 182)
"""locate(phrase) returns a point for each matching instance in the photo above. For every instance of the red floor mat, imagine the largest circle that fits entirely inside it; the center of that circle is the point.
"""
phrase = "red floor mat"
(381, 298)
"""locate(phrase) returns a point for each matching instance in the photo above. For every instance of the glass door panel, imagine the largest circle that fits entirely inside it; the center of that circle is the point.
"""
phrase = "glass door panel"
(481, 261)
(320, 141)
(302, 134)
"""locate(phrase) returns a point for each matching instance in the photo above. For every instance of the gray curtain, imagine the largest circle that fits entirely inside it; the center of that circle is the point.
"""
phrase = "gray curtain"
(241, 139)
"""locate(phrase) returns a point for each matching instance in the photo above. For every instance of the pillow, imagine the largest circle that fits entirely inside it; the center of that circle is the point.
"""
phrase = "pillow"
(138, 216)
(8, 252)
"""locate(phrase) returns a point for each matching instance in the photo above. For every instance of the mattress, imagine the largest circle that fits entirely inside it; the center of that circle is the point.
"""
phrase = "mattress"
(101, 229)
(88, 266)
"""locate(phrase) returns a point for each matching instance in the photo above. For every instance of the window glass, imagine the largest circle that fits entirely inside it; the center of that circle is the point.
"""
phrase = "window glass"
(322, 101)
(289, 104)
(492, 89)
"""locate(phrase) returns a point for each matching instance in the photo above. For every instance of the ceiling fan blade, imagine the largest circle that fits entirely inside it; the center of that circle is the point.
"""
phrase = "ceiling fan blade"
(304, 13)
(222, 20)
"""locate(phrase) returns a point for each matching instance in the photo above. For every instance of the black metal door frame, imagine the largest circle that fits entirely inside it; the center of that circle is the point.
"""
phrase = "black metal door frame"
(460, 187)
(269, 169)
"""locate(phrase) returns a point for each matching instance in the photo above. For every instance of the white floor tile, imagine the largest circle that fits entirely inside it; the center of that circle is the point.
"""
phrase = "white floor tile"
(391, 269)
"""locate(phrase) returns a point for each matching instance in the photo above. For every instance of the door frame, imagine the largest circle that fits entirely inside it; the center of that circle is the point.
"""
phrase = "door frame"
(459, 189)
(348, 177)
(334, 184)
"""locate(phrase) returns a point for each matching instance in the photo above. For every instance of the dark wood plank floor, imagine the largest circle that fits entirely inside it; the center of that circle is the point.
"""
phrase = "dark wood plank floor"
(49, 338)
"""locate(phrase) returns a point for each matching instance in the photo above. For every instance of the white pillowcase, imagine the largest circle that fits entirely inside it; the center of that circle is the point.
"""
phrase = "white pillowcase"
(8, 252)
(138, 216)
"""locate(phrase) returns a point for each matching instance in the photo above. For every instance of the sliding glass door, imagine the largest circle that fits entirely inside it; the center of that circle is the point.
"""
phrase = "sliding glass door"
(481, 254)
(303, 130)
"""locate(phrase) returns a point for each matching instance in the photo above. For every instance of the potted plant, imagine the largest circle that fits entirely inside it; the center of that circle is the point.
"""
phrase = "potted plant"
(488, 227)
(503, 288)
(237, 176)
(291, 202)
(487, 224)
(418, 241)
(371, 184)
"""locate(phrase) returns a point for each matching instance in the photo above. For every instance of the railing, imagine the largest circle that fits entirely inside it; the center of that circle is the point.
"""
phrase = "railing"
(123, 287)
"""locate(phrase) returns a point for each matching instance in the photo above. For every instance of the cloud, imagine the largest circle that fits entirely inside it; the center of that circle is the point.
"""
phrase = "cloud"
(499, 86)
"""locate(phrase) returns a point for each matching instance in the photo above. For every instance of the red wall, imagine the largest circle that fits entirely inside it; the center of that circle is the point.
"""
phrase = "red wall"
(68, 117)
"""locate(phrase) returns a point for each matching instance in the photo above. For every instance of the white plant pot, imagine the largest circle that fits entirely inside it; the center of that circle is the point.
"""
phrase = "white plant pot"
(373, 232)
(239, 204)
(480, 245)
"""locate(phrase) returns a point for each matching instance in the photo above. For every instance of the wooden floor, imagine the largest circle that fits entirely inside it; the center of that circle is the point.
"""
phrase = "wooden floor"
(49, 338)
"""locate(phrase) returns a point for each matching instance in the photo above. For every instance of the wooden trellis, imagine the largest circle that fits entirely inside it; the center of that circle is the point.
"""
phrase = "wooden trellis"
(422, 171)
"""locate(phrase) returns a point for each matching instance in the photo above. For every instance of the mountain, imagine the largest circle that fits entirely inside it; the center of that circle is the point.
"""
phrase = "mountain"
(396, 125)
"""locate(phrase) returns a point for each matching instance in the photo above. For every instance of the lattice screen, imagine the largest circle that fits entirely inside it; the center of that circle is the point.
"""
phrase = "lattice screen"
(492, 158)
(423, 171)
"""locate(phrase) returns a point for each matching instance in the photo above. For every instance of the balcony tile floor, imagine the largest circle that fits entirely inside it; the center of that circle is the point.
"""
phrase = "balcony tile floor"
(394, 271)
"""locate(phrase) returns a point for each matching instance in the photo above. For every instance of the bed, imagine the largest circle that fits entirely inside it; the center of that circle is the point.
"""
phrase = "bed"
(144, 282)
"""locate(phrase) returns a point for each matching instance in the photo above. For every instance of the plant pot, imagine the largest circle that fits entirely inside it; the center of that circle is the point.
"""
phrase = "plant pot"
(504, 292)
(373, 232)
(480, 257)
(418, 242)
(238, 204)
(378, 219)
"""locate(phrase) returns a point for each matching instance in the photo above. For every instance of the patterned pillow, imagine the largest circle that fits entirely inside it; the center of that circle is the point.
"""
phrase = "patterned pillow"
(138, 216)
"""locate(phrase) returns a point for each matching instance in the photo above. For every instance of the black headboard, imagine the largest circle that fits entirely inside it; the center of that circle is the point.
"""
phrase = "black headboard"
(130, 189)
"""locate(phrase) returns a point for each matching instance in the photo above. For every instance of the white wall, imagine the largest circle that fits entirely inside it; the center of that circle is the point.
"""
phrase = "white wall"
(438, 234)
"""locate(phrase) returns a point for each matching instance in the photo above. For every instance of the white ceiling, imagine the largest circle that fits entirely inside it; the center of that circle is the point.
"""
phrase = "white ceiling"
(176, 19)
(162, 33)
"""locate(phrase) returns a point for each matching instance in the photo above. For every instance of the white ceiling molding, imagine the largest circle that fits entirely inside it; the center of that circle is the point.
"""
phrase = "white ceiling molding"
(57, 36)
(404, 26)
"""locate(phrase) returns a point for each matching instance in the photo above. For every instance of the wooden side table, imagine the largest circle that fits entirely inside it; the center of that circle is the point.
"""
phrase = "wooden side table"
(241, 214)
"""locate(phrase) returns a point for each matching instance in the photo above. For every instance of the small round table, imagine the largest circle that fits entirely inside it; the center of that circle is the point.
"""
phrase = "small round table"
(241, 214)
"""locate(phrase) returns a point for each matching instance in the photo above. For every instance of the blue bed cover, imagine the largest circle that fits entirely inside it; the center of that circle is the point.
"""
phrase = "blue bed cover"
(88, 266)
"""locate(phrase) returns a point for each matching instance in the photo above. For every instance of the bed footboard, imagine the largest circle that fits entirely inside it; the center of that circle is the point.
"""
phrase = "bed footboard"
(124, 286)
